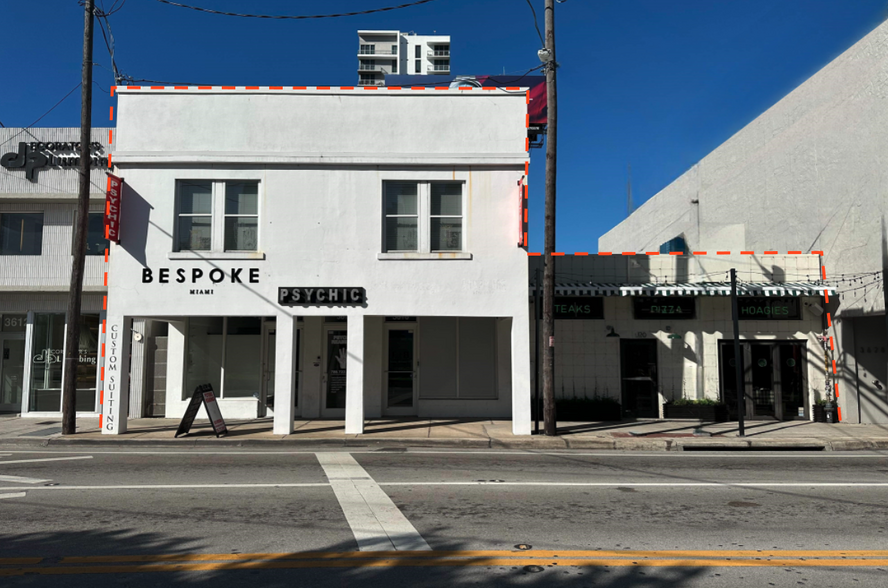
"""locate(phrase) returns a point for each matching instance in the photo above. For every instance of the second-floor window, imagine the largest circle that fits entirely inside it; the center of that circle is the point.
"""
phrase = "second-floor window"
(217, 215)
(21, 233)
(367, 49)
(96, 243)
(423, 217)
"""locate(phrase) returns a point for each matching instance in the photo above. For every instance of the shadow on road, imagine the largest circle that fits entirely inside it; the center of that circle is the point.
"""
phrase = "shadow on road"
(285, 570)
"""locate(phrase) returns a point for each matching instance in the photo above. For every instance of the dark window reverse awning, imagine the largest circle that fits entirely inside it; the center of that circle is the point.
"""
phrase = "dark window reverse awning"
(696, 289)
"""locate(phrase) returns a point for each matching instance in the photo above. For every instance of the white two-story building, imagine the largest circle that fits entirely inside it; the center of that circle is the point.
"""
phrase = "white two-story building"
(321, 253)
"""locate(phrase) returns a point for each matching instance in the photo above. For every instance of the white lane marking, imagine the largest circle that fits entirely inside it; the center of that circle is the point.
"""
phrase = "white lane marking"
(378, 525)
(22, 480)
(768, 454)
(167, 486)
(474, 483)
(45, 459)
(13, 495)
(665, 484)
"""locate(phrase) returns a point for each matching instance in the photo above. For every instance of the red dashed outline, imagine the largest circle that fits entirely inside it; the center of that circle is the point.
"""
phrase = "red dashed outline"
(829, 324)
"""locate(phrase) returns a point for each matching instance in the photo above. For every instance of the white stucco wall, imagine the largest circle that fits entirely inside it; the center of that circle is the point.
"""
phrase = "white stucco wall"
(321, 158)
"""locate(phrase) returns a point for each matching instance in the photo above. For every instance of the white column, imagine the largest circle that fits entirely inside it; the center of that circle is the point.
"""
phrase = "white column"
(521, 373)
(354, 383)
(175, 370)
(115, 394)
(285, 363)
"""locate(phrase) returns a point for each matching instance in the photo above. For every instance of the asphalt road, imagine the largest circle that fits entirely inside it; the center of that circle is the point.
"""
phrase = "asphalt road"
(442, 518)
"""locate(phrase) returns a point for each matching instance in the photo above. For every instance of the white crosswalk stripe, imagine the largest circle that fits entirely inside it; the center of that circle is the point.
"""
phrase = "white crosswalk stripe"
(378, 525)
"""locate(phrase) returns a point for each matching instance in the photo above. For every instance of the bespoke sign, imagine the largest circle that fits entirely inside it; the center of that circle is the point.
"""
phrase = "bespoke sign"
(112, 208)
(195, 275)
(664, 307)
(321, 296)
(38, 155)
(768, 309)
(578, 307)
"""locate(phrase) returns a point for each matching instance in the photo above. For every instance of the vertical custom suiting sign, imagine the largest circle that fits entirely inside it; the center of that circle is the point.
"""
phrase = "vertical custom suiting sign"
(117, 333)
(112, 208)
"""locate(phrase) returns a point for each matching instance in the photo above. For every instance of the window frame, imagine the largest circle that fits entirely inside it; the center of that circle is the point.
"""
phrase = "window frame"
(424, 220)
(42, 213)
(217, 217)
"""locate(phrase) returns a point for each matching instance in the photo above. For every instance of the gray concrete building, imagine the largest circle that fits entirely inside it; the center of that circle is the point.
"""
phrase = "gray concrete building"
(39, 182)
(809, 174)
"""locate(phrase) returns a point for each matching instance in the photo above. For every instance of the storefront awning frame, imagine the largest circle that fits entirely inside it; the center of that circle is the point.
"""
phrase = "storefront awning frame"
(695, 289)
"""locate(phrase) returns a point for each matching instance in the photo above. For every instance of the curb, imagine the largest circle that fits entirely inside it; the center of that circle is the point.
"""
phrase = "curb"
(526, 443)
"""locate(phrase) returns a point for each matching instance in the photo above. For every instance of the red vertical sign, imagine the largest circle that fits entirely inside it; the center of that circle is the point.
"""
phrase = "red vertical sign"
(112, 208)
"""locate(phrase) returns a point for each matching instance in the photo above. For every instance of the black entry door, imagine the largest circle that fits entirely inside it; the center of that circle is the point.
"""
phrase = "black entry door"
(638, 367)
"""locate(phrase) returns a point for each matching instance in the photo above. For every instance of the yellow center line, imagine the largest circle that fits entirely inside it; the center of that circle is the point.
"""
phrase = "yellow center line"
(326, 555)
(19, 561)
(443, 562)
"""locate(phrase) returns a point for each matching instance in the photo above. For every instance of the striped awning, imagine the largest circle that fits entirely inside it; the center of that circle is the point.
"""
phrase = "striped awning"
(563, 288)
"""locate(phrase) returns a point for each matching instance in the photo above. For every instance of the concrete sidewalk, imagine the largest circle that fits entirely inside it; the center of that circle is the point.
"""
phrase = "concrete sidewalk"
(460, 433)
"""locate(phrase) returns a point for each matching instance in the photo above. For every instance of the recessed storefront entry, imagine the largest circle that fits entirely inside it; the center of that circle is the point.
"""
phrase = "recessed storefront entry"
(333, 381)
(638, 366)
(400, 372)
(774, 379)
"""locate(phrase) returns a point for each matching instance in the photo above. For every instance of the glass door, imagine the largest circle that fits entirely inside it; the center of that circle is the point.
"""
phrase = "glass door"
(12, 369)
(333, 380)
(761, 367)
(400, 373)
(638, 361)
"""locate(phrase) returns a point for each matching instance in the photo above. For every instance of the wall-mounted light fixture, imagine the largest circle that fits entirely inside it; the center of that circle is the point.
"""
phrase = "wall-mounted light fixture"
(611, 332)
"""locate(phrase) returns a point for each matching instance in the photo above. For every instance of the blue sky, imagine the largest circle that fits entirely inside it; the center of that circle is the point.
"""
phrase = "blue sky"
(655, 83)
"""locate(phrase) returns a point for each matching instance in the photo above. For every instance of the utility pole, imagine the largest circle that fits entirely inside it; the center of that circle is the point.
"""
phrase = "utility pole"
(738, 362)
(538, 407)
(72, 316)
(549, 245)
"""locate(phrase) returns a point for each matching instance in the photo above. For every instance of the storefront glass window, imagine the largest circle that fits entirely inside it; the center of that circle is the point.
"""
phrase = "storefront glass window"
(204, 354)
(47, 354)
(243, 357)
(231, 363)
(87, 361)
(241, 216)
(21, 233)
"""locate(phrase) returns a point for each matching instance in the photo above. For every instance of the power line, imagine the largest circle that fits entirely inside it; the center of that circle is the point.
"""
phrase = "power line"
(536, 24)
(294, 17)
(41, 116)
